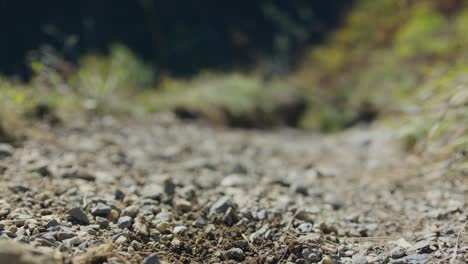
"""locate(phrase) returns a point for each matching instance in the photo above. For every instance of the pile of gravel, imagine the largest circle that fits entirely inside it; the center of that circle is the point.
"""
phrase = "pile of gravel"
(158, 190)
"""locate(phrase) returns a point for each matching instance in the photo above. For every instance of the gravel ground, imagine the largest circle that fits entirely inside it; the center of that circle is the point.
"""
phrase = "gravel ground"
(161, 191)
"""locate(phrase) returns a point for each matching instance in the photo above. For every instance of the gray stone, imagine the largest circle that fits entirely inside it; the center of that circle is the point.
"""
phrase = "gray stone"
(169, 187)
(77, 174)
(116, 236)
(221, 205)
(334, 202)
(7, 233)
(152, 191)
(152, 259)
(49, 237)
(260, 232)
(305, 253)
(119, 195)
(131, 211)
(262, 215)
(233, 180)
(136, 245)
(20, 188)
(421, 247)
(327, 260)
(124, 222)
(64, 235)
(121, 239)
(299, 187)
(101, 210)
(163, 226)
(235, 254)
(102, 222)
(305, 227)
(164, 216)
(4, 212)
(40, 167)
(359, 259)
(21, 219)
(140, 227)
(397, 253)
(91, 231)
(51, 223)
(417, 258)
(179, 229)
(78, 215)
(182, 205)
(314, 257)
(327, 228)
(6, 150)
(199, 222)
(74, 241)
(44, 242)
(301, 261)
(230, 217)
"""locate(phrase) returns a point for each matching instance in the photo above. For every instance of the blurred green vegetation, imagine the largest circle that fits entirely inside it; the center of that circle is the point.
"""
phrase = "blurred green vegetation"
(234, 99)
(405, 61)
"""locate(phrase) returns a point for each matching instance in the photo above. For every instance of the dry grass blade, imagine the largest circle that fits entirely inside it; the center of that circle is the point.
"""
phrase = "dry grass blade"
(455, 251)
(298, 211)
(250, 243)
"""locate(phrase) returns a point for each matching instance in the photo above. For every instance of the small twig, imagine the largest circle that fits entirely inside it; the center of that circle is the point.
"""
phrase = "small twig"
(443, 253)
(299, 210)
(250, 243)
(284, 254)
(85, 200)
(455, 251)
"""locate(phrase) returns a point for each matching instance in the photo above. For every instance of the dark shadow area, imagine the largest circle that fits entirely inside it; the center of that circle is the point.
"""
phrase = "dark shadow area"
(180, 37)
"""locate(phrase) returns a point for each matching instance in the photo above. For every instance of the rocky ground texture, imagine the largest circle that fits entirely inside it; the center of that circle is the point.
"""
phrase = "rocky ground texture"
(162, 191)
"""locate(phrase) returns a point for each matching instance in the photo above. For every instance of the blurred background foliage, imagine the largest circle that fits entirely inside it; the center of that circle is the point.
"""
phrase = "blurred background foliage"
(178, 36)
(308, 64)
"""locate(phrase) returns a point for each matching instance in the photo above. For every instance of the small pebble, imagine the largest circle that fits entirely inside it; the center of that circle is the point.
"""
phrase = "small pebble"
(64, 235)
(121, 240)
(305, 227)
(113, 215)
(169, 187)
(51, 223)
(131, 211)
(152, 259)
(102, 222)
(327, 260)
(136, 245)
(235, 254)
(221, 205)
(124, 222)
(182, 205)
(6, 150)
(299, 187)
(179, 229)
(78, 215)
(119, 195)
(397, 253)
(163, 226)
(101, 210)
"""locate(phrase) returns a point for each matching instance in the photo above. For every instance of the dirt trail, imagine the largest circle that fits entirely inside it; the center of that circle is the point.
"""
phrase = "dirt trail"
(119, 192)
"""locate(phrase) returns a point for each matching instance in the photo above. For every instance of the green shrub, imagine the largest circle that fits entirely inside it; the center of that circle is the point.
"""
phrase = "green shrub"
(236, 99)
(104, 79)
(426, 34)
